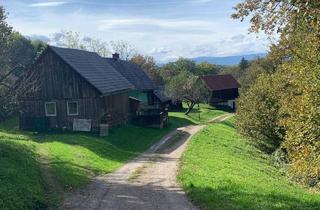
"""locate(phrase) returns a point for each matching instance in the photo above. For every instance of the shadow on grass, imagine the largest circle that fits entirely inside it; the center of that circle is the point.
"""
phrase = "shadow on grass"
(264, 146)
(122, 144)
(126, 195)
(229, 124)
(176, 122)
(237, 197)
(20, 181)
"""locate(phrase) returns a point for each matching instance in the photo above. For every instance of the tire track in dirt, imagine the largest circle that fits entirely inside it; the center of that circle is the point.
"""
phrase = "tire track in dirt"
(145, 183)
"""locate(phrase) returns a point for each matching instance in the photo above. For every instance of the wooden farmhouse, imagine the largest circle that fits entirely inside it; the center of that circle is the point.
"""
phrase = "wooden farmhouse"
(145, 101)
(80, 90)
(224, 90)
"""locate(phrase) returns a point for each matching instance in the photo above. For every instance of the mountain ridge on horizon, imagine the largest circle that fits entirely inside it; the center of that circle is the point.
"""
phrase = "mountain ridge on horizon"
(225, 60)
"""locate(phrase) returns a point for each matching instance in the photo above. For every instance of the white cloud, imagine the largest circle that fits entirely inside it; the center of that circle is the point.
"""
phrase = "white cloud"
(176, 24)
(240, 44)
(38, 37)
(48, 4)
(165, 37)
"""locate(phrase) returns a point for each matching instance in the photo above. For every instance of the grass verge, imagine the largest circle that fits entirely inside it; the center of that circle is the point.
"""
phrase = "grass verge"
(222, 171)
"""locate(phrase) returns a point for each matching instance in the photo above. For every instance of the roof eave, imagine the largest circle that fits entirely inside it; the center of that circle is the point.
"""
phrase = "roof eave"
(115, 92)
(223, 89)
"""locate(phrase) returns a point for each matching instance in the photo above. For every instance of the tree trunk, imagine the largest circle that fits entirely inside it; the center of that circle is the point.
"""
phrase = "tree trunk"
(190, 107)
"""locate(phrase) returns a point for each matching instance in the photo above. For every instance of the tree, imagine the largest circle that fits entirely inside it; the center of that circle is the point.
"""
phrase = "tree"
(237, 71)
(182, 82)
(300, 106)
(258, 114)
(257, 67)
(149, 66)
(243, 65)
(125, 49)
(21, 51)
(96, 45)
(21, 54)
(16, 55)
(5, 31)
(205, 68)
(283, 16)
(5, 71)
(74, 40)
(186, 87)
(181, 65)
(233, 70)
(71, 39)
(39, 46)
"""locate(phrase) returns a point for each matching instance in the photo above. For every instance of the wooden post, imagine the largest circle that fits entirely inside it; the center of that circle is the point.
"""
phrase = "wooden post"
(104, 130)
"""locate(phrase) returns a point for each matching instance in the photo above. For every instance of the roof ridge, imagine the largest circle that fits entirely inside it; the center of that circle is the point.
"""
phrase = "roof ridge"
(220, 82)
(75, 49)
(93, 68)
(133, 73)
(216, 75)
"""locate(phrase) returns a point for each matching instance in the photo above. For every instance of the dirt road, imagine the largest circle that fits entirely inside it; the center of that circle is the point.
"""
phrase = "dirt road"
(147, 182)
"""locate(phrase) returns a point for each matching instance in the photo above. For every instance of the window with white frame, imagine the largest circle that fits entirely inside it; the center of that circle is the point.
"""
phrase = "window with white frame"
(72, 108)
(50, 109)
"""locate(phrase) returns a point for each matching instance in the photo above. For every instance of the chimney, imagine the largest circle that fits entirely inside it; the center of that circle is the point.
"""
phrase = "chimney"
(116, 56)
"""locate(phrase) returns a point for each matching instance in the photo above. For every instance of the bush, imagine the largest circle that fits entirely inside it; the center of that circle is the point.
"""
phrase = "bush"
(282, 111)
(301, 105)
(258, 114)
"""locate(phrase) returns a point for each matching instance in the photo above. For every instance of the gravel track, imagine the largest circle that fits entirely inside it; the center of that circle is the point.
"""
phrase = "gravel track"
(145, 183)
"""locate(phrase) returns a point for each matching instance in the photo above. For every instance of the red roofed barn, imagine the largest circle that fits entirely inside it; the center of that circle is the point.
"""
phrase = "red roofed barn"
(223, 88)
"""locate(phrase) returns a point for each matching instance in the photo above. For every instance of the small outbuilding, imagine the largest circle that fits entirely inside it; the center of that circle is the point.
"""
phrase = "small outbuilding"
(224, 90)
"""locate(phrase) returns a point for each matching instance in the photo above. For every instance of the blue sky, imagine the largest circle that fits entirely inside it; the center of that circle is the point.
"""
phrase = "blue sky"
(165, 29)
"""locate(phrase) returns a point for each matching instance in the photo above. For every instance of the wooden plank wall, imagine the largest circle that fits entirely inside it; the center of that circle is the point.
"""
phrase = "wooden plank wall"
(60, 83)
(116, 109)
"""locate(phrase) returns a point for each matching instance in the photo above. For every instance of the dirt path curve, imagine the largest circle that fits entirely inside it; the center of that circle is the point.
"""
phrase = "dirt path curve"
(147, 182)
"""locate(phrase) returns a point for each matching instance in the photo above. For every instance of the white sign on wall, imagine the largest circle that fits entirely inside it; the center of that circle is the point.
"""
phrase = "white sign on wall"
(81, 125)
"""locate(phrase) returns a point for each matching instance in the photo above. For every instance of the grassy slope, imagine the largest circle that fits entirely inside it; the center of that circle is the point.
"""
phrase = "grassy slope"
(206, 113)
(230, 174)
(77, 157)
(74, 158)
(20, 183)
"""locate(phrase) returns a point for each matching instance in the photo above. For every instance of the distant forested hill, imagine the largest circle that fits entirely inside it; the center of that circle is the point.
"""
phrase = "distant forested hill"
(228, 60)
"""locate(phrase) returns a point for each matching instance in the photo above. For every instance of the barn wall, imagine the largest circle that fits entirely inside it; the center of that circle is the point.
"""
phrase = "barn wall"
(88, 109)
(115, 109)
(224, 98)
(223, 95)
(59, 83)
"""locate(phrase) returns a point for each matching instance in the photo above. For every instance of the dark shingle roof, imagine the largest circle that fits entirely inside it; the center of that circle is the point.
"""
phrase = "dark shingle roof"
(133, 73)
(161, 96)
(220, 82)
(94, 69)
